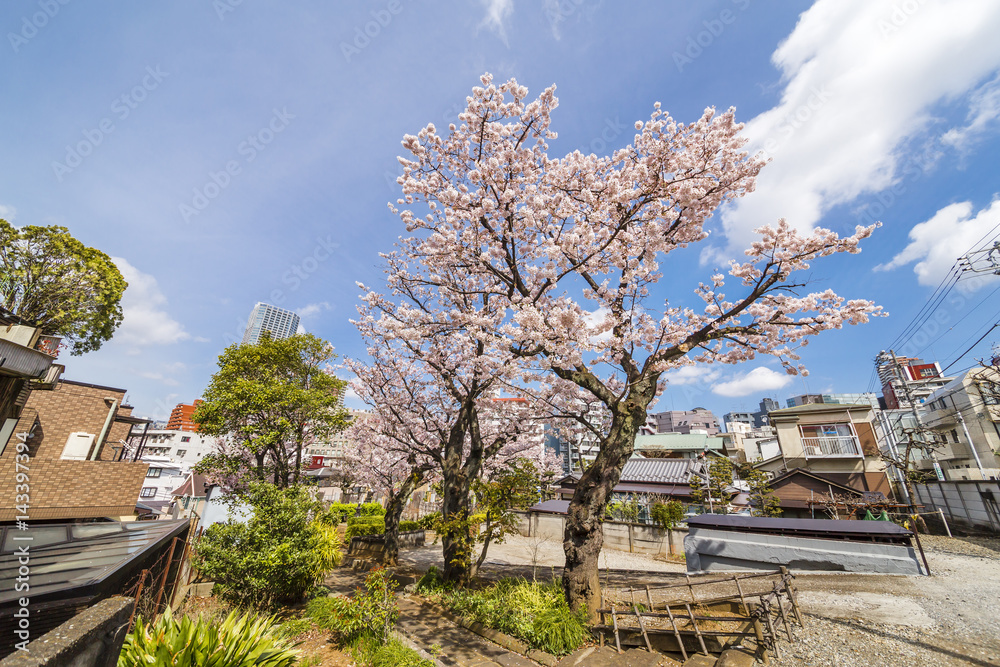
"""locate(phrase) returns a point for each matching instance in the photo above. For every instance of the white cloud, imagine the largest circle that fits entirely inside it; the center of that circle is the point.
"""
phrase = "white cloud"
(984, 110)
(759, 380)
(497, 11)
(688, 375)
(145, 322)
(860, 79)
(936, 243)
(7, 212)
(313, 309)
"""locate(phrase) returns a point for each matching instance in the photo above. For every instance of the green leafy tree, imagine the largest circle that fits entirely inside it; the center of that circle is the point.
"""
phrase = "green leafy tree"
(762, 497)
(270, 399)
(667, 515)
(277, 556)
(512, 485)
(67, 289)
(713, 490)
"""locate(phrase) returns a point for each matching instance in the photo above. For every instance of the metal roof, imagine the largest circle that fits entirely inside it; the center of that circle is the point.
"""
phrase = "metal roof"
(72, 560)
(677, 442)
(551, 507)
(863, 531)
(659, 471)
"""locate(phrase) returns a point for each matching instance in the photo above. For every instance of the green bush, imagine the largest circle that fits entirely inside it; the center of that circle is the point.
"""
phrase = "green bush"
(405, 526)
(238, 641)
(369, 509)
(338, 513)
(558, 630)
(360, 529)
(534, 612)
(394, 654)
(274, 558)
(368, 519)
(432, 582)
(667, 515)
(429, 521)
(371, 612)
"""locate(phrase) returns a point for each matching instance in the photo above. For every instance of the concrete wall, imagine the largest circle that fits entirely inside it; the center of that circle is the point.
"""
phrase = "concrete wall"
(968, 505)
(92, 638)
(709, 550)
(630, 537)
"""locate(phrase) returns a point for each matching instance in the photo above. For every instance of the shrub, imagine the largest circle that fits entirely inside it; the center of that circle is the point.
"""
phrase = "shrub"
(338, 513)
(431, 582)
(558, 630)
(369, 509)
(394, 654)
(429, 521)
(368, 519)
(534, 612)
(668, 515)
(371, 612)
(276, 557)
(359, 529)
(238, 641)
(405, 526)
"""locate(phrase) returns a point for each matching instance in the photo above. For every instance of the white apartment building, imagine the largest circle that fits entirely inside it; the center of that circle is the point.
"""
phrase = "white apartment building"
(162, 477)
(182, 447)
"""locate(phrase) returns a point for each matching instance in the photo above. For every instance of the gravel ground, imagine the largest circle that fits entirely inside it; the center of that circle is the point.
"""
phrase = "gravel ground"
(950, 618)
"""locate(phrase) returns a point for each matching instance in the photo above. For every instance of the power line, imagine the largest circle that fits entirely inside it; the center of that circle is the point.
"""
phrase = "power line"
(970, 347)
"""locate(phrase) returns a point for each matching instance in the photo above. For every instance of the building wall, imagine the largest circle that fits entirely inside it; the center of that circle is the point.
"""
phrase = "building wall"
(69, 489)
(180, 417)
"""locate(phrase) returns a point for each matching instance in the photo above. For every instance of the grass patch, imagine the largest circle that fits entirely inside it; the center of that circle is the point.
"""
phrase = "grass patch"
(534, 612)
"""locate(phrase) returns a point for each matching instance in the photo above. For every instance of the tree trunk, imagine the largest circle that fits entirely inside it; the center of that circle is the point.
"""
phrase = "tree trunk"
(393, 512)
(584, 536)
(455, 539)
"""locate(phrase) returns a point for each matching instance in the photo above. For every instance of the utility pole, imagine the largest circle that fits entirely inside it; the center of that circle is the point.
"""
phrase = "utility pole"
(968, 438)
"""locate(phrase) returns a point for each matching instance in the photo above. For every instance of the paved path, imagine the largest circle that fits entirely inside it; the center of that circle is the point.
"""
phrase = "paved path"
(450, 643)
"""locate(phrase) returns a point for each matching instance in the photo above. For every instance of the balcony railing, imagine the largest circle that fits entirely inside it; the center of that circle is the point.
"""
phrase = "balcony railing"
(833, 445)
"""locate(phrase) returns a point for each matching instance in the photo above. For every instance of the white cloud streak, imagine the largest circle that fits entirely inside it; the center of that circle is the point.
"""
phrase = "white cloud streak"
(860, 80)
(759, 380)
(145, 321)
(497, 12)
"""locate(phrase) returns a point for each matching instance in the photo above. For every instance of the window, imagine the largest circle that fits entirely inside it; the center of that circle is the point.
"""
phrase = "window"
(954, 435)
(181, 452)
(186, 438)
(148, 492)
(153, 472)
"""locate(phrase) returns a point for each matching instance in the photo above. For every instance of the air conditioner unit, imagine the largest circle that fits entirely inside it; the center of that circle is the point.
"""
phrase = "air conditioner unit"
(77, 446)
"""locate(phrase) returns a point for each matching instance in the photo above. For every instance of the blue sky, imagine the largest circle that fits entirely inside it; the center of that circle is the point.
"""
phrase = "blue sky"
(232, 152)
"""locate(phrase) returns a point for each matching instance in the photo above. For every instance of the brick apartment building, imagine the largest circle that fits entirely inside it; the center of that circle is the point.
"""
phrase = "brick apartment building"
(76, 432)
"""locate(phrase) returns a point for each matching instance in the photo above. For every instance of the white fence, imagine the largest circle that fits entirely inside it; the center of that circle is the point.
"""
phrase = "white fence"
(968, 504)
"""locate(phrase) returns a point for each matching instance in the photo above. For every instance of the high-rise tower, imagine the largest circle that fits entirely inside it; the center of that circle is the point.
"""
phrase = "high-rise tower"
(265, 317)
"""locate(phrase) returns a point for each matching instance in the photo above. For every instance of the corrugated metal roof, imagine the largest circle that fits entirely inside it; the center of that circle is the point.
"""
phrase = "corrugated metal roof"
(662, 471)
(23, 361)
(678, 441)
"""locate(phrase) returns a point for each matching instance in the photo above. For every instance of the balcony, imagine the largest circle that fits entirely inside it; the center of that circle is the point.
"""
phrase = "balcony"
(831, 446)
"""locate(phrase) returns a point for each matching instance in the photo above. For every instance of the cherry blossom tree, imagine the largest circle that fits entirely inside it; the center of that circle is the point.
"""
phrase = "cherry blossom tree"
(568, 251)
(435, 388)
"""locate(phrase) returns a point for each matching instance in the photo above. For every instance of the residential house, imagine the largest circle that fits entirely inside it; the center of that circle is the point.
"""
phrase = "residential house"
(835, 442)
(687, 421)
(965, 416)
(659, 477)
(76, 434)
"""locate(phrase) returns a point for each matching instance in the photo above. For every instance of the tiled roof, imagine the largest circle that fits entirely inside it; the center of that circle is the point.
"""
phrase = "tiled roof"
(661, 471)
(194, 486)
